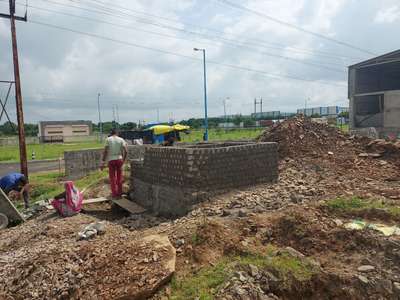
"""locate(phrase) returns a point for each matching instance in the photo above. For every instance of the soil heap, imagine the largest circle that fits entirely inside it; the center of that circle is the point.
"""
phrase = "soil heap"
(45, 260)
(301, 137)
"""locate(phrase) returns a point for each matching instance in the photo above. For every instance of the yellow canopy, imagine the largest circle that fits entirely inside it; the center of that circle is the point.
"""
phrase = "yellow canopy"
(162, 129)
(179, 127)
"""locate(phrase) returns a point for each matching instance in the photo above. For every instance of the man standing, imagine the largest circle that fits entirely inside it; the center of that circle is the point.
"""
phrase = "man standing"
(18, 183)
(115, 152)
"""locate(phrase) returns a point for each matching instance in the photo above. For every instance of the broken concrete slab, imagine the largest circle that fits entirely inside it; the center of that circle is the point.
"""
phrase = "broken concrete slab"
(129, 206)
(8, 209)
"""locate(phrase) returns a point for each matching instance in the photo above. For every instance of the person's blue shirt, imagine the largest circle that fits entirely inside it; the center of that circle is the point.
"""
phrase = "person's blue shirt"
(10, 180)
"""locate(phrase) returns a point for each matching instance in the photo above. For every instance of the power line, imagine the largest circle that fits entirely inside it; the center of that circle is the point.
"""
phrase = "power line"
(119, 14)
(202, 27)
(180, 55)
(317, 65)
(319, 35)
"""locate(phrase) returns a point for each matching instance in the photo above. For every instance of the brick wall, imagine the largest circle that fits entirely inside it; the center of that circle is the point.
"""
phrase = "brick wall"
(80, 163)
(178, 177)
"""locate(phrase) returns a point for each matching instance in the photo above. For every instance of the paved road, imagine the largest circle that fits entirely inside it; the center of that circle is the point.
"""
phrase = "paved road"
(33, 166)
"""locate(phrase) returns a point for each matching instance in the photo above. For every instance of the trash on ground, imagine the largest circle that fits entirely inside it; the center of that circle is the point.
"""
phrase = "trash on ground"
(384, 229)
(92, 230)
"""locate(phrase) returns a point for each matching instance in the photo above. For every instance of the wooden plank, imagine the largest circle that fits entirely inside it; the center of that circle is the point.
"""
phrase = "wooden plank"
(130, 206)
(8, 208)
(86, 201)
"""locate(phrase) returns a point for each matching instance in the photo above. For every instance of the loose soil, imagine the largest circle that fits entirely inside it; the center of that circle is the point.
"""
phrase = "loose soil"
(272, 241)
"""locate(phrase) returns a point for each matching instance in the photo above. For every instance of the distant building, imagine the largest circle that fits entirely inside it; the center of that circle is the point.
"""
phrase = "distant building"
(323, 111)
(374, 94)
(58, 131)
(271, 115)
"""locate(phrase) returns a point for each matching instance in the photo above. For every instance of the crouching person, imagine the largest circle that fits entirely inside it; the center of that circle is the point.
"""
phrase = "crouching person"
(16, 185)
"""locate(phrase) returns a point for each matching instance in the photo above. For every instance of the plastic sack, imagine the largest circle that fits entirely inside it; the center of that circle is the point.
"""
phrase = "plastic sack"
(71, 204)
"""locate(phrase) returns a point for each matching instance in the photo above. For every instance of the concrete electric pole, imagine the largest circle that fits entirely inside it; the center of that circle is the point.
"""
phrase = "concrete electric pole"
(18, 93)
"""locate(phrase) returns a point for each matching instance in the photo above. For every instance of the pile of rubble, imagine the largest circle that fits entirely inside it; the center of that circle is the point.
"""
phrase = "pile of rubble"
(49, 260)
(300, 136)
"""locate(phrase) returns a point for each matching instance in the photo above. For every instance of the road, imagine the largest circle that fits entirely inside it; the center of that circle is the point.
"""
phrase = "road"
(33, 166)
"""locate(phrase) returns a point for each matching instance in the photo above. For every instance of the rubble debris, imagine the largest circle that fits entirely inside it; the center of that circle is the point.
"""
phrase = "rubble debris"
(50, 264)
(92, 230)
(366, 268)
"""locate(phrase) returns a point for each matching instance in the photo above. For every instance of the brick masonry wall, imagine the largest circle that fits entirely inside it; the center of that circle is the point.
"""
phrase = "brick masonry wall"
(195, 172)
(80, 163)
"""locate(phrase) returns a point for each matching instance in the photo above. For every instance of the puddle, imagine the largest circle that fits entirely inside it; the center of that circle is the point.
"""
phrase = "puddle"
(382, 228)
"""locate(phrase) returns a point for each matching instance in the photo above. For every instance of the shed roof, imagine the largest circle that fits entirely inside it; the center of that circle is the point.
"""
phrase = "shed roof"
(385, 58)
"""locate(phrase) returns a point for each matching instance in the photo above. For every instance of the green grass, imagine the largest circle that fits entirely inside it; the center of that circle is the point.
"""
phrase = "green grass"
(47, 185)
(344, 127)
(44, 151)
(204, 284)
(222, 134)
(356, 204)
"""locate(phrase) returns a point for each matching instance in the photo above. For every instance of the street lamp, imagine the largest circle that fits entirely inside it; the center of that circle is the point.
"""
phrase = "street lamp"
(205, 94)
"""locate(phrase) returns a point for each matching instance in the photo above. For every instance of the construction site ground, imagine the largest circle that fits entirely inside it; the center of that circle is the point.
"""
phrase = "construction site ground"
(286, 240)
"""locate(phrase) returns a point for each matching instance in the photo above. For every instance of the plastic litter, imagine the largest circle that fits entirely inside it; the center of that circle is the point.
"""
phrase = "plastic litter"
(382, 228)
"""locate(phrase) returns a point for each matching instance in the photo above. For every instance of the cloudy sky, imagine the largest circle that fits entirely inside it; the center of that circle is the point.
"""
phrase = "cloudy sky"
(138, 54)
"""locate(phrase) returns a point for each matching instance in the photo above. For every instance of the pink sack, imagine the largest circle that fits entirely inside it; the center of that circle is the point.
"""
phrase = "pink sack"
(72, 203)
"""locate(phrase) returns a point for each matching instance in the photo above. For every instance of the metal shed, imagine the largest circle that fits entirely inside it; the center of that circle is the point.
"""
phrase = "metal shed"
(374, 94)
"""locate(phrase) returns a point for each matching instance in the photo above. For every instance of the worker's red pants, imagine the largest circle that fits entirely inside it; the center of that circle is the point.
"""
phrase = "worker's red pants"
(115, 174)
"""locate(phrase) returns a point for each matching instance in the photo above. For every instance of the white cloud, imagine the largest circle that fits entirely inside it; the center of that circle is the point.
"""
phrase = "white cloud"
(388, 15)
(62, 72)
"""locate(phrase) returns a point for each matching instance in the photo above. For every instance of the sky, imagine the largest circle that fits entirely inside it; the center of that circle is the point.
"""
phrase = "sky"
(138, 55)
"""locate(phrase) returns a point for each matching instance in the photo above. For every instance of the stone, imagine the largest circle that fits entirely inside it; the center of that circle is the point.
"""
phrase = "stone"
(338, 222)
(253, 271)
(294, 252)
(226, 213)
(363, 279)
(366, 268)
(295, 198)
(241, 277)
(179, 242)
(242, 213)
(396, 288)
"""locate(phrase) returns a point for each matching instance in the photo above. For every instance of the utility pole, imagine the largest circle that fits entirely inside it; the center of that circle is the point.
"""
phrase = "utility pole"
(18, 93)
(100, 124)
(205, 138)
(255, 107)
(113, 111)
(117, 112)
(261, 106)
(224, 102)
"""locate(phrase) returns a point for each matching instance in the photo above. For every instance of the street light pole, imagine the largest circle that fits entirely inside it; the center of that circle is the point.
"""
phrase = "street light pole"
(205, 93)
(100, 125)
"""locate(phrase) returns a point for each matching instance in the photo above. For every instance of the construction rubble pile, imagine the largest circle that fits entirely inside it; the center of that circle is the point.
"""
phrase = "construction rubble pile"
(271, 241)
(48, 260)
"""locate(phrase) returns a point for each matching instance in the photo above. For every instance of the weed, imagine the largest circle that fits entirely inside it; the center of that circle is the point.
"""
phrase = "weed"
(206, 283)
(202, 285)
(346, 204)
(196, 239)
(357, 205)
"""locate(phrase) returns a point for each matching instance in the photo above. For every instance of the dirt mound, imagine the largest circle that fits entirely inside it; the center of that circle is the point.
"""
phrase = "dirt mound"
(55, 265)
(301, 136)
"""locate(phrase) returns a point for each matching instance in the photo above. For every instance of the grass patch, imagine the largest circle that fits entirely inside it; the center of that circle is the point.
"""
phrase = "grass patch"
(206, 283)
(47, 185)
(44, 151)
(222, 134)
(202, 285)
(355, 204)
